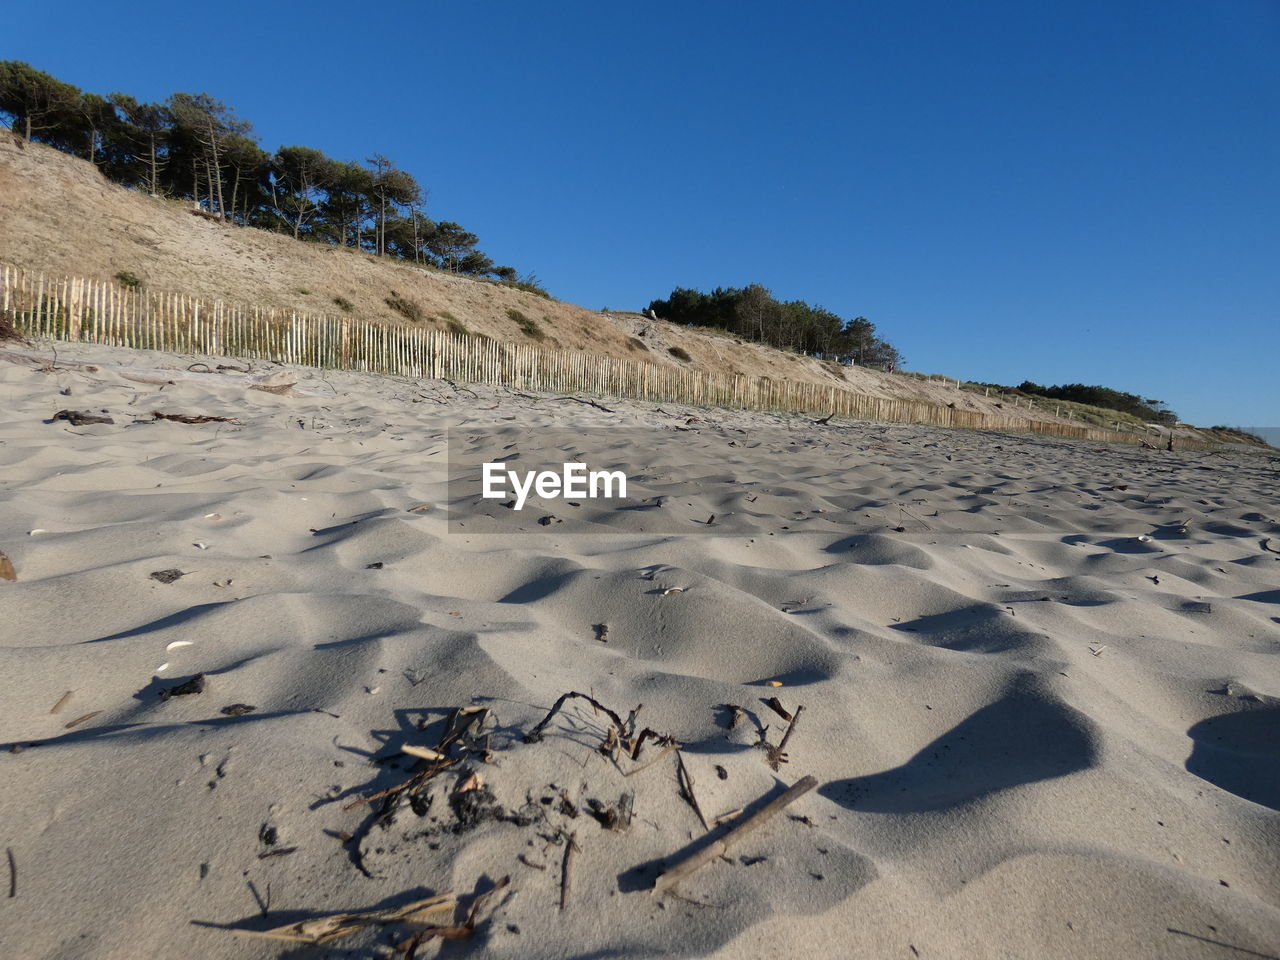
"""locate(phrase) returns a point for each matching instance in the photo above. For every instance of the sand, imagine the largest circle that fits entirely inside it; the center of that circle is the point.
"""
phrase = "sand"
(1039, 678)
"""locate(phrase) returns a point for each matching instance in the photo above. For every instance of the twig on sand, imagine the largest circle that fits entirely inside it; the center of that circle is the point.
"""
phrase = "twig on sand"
(824, 421)
(412, 783)
(690, 864)
(13, 873)
(62, 701)
(410, 946)
(79, 720)
(624, 732)
(566, 871)
(685, 779)
(185, 418)
(535, 735)
(673, 745)
(778, 755)
(589, 403)
(460, 723)
(791, 727)
(902, 510)
(333, 926)
(774, 704)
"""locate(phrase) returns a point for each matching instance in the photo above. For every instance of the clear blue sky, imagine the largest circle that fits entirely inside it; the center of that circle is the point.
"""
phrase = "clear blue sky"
(1082, 191)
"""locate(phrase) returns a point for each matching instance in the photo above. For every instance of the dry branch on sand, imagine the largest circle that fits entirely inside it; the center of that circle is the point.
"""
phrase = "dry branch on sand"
(330, 927)
(188, 418)
(336, 925)
(621, 734)
(438, 760)
(700, 858)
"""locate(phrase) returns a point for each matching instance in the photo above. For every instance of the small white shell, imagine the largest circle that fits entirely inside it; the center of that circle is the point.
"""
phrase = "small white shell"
(201, 546)
(1143, 539)
(178, 643)
(32, 533)
(162, 668)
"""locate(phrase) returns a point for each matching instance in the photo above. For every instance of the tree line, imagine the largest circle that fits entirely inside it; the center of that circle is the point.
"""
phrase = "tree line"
(753, 313)
(195, 147)
(1156, 411)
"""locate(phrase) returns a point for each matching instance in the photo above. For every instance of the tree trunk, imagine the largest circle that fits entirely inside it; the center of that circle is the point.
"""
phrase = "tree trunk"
(235, 190)
(216, 170)
(155, 169)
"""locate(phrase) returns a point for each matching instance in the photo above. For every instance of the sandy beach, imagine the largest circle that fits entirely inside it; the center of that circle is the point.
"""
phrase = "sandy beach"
(1040, 679)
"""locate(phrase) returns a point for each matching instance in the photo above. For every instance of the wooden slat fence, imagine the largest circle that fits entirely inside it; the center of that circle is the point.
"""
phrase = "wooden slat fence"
(97, 311)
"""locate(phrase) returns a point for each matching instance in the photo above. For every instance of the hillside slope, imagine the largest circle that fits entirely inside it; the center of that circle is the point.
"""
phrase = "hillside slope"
(59, 215)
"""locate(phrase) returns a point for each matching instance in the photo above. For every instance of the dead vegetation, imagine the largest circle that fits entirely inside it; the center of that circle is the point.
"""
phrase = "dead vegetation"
(9, 328)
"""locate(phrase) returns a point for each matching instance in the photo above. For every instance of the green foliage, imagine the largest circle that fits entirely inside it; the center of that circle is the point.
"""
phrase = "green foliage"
(679, 353)
(1098, 396)
(1241, 436)
(343, 304)
(406, 307)
(127, 279)
(528, 326)
(37, 106)
(452, 323)
(194, 147)
(753, 313)
(528, 283)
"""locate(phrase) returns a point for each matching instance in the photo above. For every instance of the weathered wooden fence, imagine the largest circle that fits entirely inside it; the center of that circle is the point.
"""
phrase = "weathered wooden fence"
(97, 311)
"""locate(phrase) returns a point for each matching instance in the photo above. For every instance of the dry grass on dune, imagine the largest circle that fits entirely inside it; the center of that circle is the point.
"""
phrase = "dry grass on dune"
(61, 216)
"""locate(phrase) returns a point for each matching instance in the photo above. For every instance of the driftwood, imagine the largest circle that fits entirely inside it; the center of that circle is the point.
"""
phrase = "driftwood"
(410, 946)
(79, 720)
(589, 403)
(695, 861)
(187, 418)
(685, 779)
(566, 871)
(459, 725)
(13, 873)
(336, 925)
(774, 704)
